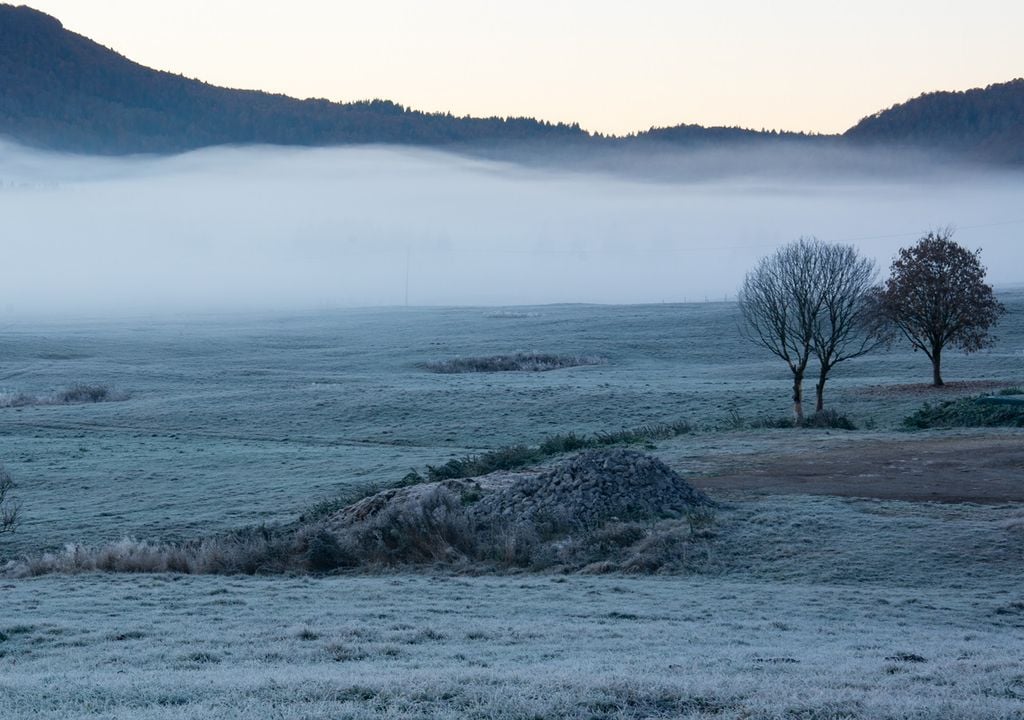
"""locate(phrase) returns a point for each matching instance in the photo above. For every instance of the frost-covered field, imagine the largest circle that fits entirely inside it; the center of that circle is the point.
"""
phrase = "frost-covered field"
(236, 420)
(812, 608)
(809, 607)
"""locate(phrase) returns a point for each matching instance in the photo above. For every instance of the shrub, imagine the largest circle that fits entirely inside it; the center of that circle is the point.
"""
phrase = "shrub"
(966, 412)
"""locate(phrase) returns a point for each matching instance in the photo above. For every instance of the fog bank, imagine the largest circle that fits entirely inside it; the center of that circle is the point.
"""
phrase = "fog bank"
(272, 228)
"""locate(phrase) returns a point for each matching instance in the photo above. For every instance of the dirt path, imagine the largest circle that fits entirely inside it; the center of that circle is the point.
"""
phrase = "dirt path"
(981, 469)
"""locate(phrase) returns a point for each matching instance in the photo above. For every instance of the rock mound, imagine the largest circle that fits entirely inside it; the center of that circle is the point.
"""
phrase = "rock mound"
(583, 491)
(590, 488)
(604, 509)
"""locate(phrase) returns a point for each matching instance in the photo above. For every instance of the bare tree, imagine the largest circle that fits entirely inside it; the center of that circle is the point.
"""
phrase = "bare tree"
(936, 296)
(9, 509)
(844, 325)
(811, 299)
(779, 302)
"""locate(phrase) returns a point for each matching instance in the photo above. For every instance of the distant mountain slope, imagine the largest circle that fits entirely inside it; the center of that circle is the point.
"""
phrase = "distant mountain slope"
(63, 91)
(984, 123)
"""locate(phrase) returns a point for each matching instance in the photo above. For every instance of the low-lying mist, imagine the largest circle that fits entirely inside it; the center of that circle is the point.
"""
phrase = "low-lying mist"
(273, 228)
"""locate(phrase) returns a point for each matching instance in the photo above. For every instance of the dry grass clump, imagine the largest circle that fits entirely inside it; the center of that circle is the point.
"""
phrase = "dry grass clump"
(9, 507)
(77, 394)
(828, 418)
(519, 362)
(249, 551)
(443, 524)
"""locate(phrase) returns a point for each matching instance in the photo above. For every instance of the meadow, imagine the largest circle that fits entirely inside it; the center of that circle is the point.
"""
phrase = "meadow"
(804, 607)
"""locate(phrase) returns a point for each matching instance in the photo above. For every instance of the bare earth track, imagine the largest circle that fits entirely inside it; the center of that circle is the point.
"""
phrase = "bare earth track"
(979, 469)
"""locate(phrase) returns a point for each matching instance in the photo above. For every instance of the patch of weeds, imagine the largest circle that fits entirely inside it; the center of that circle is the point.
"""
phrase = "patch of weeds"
(513, 457)
(831, 711)
(307, 634)
(81, 393)
(505, 458)
(644, 433)
(701, 520)
(905, 657)
(324, 553)
(827, 419)
(518, 362)
(569, 442)
(979, 411)
(172, 700)
(340, 652)
(470, 496)
(1011, 391)
(1014, 608)
(655, 703)
(830, 419)
(199, 657)
(423, 636)
(78, 394)
(128, 635)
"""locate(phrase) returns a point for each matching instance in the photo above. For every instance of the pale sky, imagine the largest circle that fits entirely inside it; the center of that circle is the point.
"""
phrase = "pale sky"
(614, 67)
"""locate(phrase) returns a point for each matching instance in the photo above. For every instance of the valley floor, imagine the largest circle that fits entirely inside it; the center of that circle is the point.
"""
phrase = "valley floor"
(810, 607)
(829, 590)
(427, 647)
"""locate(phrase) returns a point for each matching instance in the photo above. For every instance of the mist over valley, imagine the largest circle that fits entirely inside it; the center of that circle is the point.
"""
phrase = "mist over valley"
(257, 228)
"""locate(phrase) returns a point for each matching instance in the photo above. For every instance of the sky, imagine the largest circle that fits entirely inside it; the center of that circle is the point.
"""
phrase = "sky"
(614, 67)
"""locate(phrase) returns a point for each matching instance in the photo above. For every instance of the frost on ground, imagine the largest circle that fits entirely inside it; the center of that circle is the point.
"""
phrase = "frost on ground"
(799, 607)
(810, 608)
(147, 647)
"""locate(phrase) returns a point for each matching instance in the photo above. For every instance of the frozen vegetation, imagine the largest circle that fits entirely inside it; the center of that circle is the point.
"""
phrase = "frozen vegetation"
(784, 606)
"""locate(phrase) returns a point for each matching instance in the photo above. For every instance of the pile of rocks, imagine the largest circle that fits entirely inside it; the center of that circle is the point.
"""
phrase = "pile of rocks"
(593, 487)
(583, 491)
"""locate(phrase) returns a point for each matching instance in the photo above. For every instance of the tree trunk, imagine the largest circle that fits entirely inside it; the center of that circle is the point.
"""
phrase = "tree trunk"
(798, 398)
(819, 389)
(937, 368)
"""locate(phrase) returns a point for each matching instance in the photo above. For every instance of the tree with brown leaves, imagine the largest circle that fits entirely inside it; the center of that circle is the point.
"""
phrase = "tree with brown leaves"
(936, 297)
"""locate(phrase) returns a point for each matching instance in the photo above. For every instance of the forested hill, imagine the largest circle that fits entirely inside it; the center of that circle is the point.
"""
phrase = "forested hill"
(62, 91)
(984, 123)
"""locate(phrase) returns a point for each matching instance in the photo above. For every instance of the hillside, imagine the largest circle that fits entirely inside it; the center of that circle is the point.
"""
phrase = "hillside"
(983, 123)
(62, 91)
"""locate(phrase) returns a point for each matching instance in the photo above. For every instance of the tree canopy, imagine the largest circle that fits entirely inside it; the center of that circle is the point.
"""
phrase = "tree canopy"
(936, 297)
